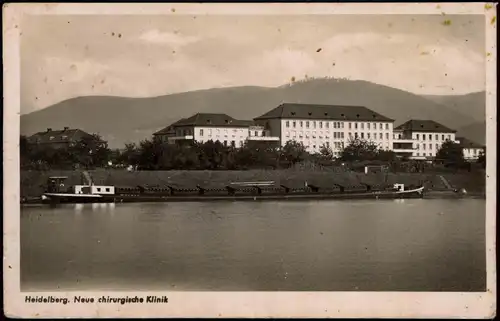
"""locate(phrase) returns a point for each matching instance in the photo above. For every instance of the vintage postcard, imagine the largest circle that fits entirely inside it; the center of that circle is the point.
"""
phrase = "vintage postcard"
(250, 160)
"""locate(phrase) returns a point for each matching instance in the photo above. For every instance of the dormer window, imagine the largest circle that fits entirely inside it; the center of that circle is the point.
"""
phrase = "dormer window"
(227, 121)
(357, 115)
(208, 121)
(293, 113)
(342, 115)
(309, 113)
(326, 114)
(374, 116)
(51, 137)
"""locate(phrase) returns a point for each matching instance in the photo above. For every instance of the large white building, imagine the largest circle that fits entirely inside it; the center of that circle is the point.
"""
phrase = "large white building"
(421, 139)
(203, 127)
(327, 125)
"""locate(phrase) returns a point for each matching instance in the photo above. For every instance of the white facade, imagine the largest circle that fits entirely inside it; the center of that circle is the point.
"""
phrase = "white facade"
(229, 136)
(335, 134)
(472, 153)
(427, 144)
(402, 145)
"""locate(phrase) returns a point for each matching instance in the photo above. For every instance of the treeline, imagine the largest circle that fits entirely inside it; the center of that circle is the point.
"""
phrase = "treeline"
(213, 155)
(88, 152)
(153, 154)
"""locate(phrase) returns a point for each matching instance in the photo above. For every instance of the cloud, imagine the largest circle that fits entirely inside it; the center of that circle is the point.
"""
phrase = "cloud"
(61, 60)
(58, 78)
(167, 38)
(423, 65)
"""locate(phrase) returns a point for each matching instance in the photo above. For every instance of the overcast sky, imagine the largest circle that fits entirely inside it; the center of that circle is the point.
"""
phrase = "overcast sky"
(137, 56)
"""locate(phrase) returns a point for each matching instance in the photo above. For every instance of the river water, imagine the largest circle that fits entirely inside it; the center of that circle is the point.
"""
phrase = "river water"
(393, 245)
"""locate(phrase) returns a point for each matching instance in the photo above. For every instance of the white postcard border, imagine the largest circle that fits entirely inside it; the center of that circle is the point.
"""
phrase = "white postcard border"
(240, 304)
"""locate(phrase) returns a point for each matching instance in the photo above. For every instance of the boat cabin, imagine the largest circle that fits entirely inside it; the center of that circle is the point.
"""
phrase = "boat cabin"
(94, 189)
(55, 184)
(399, 187)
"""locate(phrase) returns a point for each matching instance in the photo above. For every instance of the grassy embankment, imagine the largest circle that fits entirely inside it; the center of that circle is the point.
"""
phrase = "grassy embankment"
(33, 182)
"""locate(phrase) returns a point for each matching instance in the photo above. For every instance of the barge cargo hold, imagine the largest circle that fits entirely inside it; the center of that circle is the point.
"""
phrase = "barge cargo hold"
(247, 191)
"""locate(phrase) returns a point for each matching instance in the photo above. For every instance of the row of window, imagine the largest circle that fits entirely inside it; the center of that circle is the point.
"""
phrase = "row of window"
(217, 137)
(225, 142)
(473, 151)
(369, 136)
(422, 146)
(255, 133)
(340, 135)
(433, 154)
(429, 136)
(184, 132)
(425, 154)
(326, 124)
(99, 189)
(62, 137)
(313, 135)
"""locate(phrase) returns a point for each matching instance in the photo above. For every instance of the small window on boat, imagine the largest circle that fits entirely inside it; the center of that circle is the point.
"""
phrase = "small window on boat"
(107, 189)
(98, 189)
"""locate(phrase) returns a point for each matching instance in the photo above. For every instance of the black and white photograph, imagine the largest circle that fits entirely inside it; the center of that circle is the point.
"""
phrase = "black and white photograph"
(239, 152)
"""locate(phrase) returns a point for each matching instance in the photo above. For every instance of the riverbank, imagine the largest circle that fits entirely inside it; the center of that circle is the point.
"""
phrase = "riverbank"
(33, 183)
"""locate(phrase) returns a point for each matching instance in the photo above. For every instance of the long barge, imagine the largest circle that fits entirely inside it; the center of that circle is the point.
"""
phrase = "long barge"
(249, 191)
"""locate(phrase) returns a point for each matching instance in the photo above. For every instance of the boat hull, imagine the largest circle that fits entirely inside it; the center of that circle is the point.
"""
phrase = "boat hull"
(139, 198)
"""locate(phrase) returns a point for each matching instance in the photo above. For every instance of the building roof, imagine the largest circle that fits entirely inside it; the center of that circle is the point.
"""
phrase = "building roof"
(466, 143)
(417, 125)
(333, 112)
(207, 120)
(169, 129)
(65, 135)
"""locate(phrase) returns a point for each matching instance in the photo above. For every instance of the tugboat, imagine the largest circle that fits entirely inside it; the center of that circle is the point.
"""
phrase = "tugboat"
(58, 192)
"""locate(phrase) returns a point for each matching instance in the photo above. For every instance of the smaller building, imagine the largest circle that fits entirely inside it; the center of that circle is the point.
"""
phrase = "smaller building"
(204, 127)
(421, 138)
(470, 149)
(60, 138)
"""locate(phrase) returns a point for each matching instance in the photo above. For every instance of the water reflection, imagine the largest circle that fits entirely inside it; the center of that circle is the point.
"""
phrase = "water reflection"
(414, 245)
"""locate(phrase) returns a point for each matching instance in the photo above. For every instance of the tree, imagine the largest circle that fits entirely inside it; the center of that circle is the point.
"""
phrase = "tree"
(451, 154)
(149, 153)
(25, 151)
(129, 155)
(359, 150)
(256, 154)
(210, 154)
(326, 153)
(228, 158)
(182, 157)
(386, 155)
(324, 157)
(247, 156)
(481, 159)
(294, 152)
(89, 152)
